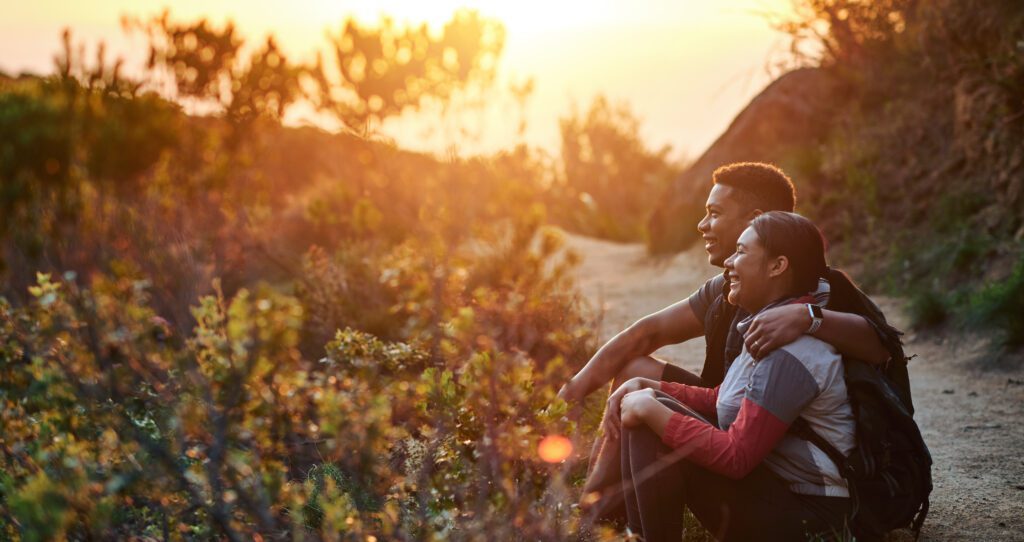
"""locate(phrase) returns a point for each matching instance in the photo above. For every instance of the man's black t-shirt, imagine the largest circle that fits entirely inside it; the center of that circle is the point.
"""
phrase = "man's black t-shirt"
(702, 299)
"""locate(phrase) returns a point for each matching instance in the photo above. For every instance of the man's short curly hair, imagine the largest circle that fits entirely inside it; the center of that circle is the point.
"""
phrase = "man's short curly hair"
(764, 186)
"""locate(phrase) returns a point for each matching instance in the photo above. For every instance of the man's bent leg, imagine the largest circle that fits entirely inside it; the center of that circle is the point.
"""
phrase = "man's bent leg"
(601, 493)
(643, 366)
(674, 373)
(602, 490)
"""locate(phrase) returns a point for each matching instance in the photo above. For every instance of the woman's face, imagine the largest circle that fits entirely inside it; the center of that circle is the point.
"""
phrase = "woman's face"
(749, 273)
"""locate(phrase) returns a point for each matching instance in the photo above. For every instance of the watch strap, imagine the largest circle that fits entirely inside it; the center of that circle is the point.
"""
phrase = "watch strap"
(815, 318)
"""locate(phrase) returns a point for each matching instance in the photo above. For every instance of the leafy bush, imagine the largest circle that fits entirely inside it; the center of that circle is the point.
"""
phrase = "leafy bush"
(115, 426)
(928, 307)
(379, 355)
(922, 171)
(1000, 304)
(610, 179)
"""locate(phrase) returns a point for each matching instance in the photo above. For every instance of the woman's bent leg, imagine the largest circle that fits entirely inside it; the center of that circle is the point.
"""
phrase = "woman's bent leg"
(658, 482)
(653, 486)
(654, 482)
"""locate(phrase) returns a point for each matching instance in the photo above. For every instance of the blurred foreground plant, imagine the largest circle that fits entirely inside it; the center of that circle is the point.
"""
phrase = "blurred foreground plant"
(113, 425)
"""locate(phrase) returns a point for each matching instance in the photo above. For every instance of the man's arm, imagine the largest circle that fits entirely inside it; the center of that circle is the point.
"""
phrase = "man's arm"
(851, 334)
(673, 324)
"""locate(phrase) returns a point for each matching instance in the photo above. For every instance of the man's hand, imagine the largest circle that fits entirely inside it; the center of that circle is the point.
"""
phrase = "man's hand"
(612, 420)
(775, 327)
(673, 324)
(569, 391)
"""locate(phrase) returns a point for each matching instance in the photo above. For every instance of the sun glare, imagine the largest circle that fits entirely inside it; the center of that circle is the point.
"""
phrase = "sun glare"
(554, 449)
(523, 17)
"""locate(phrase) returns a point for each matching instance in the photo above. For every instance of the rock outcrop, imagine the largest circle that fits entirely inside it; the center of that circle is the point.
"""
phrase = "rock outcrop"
(794, 112)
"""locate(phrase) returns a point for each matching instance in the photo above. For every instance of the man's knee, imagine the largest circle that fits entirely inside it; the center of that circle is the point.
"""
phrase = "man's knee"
(643, 366)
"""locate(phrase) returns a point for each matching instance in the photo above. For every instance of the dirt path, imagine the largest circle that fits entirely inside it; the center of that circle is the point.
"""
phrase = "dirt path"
(971, 415)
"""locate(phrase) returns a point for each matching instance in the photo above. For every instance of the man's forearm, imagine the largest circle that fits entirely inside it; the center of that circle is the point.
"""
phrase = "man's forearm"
(609, 360)
(852, 336)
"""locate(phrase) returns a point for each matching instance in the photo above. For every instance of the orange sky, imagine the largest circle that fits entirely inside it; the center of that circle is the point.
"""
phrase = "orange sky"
(686, 67)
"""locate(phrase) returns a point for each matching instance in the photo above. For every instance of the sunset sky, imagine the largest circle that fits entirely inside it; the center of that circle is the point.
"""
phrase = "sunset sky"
(685, 67)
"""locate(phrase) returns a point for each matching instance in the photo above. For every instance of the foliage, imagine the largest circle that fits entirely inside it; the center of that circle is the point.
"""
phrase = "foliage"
(378, 73)
(922, 176)
(610, 178)
(193, 198)
(1000, 305)
(846, 33)
(63, 130)
(115, 425)
(262, 332)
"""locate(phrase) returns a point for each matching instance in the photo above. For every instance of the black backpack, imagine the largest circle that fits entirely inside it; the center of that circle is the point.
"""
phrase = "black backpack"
(889, 470)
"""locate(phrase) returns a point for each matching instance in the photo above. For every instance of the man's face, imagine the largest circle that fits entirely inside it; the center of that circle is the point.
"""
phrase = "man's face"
(726, 218)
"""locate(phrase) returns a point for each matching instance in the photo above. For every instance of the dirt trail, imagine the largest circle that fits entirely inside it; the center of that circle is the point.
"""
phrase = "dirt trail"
(971, 414)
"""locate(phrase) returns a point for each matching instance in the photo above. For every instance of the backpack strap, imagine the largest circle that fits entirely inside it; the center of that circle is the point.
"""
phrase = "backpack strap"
(802, 429)
(845, 296)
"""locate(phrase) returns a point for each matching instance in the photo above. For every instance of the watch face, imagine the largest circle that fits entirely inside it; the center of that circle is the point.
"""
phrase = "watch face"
(816, 311)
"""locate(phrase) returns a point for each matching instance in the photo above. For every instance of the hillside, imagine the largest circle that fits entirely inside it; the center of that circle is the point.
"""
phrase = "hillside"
(904, 142)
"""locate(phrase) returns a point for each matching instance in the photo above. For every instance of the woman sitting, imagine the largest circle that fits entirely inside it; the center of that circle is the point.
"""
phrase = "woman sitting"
(744, 477)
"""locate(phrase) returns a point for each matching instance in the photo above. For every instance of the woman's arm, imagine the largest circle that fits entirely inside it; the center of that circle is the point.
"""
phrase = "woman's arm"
(699, 399)
(732, 453)
(703, 400)
(779, 389)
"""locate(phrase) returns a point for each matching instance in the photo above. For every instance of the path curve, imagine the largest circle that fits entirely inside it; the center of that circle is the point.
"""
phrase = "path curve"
(970, 413)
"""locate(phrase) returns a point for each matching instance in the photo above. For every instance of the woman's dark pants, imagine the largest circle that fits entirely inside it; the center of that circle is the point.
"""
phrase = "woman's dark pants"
(658, 481)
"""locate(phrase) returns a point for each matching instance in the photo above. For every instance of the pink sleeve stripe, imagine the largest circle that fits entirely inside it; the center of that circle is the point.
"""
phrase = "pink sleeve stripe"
(703, 400)
(733, 453)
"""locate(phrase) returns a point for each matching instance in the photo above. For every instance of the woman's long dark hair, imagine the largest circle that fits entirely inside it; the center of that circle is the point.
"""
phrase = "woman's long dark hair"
(799, 240)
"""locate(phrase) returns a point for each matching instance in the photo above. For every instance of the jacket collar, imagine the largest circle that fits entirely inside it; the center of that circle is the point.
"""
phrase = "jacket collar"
(744, 324)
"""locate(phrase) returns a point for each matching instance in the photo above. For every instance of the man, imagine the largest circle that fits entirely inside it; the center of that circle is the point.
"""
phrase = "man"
(740, 192)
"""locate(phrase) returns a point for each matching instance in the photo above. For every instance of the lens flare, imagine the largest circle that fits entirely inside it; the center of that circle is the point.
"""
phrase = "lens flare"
(554, 448)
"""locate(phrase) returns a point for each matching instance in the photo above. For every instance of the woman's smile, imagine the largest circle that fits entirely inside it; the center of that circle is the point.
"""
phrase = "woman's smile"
(747, 266)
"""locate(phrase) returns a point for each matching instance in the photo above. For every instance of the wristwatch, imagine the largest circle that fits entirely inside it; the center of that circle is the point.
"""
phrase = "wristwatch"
(816, 316)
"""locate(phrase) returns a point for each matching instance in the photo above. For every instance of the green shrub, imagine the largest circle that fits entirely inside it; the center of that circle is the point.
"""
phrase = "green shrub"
(927, 308)
(116, 426)
(1001, 306)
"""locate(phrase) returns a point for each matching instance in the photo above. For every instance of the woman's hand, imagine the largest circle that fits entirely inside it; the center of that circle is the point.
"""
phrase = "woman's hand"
(611, 421)
(643, 407)
(636, 405)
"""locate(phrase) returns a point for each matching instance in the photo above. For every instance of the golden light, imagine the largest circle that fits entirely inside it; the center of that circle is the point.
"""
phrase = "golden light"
(590, 499)
(524, 16)
(687, 66)
(554, 448)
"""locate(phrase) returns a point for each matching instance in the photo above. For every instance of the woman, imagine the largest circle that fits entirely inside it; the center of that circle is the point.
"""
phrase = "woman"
(744, 477)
